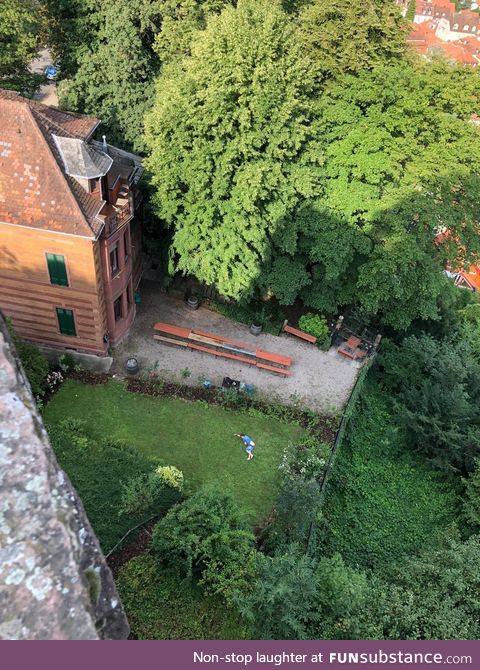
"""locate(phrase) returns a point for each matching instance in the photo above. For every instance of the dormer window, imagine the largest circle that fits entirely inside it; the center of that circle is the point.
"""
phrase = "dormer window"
(455, 26)
(465, 28)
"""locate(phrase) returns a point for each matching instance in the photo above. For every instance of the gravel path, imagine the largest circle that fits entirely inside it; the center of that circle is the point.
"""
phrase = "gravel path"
(321, 381)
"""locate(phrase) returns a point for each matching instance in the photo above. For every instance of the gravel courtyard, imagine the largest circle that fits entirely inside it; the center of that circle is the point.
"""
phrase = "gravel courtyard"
(320, 381)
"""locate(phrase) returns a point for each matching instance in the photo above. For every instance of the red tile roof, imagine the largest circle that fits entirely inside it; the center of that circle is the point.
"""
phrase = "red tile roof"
(34, 189)
(424, 39)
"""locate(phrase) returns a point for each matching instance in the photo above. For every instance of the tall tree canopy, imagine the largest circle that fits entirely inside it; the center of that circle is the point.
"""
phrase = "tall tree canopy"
(19, 33)
(347, 37)
(112, 51)
(232, 145)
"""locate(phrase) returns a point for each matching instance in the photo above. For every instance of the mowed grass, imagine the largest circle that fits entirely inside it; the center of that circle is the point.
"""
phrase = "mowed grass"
(195, 437)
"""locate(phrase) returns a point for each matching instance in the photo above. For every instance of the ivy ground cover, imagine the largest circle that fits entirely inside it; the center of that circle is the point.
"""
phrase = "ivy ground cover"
(195, 437)
(383, 502)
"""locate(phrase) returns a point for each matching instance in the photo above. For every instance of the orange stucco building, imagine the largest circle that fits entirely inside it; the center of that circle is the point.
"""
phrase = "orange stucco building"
(70, 233)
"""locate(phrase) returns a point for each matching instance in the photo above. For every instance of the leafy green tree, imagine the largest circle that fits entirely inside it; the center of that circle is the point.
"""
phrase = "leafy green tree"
(296, 511)
(205, 538)
(20, 26)
(397, 171)
(68, 31)
(347, 37)
(343, 602)
(180, 20)
(434, 596)
(116, 66)
(232, 148)
(437, 393)
(112, 51)
(282, 602)
(471, 501)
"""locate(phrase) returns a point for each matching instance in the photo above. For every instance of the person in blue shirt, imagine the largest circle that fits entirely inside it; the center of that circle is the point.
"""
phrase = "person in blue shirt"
(249, 444)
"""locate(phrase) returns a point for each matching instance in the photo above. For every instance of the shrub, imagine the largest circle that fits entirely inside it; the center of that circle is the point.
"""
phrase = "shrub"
(170, 476)
(98, 470)
(206, 538)
(148, 493)
(160, 605)
(66, 363)
(316, 325)
(313, 324)
(34, 362)
(307, 459)
(296, 511)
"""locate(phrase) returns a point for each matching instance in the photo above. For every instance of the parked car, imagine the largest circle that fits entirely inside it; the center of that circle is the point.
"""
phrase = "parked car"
(51, 71)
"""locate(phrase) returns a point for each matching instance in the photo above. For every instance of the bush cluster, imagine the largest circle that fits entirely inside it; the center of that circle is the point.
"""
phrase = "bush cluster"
(316, 325)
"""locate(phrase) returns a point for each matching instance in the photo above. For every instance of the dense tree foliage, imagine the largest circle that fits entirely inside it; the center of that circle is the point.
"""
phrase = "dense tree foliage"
(229, 138)
(112, 51)
(280, 605)
(180, 21)
(331, 194)
(437, 393)
(206, 538)
(471, 502)
(20, 26)
(347, 37)
(397, 170)
(434, 596)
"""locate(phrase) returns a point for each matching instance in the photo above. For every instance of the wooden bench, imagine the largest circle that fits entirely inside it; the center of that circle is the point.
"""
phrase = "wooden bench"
(350, 349)
(270, 368)
(298, 333)
(222, 347)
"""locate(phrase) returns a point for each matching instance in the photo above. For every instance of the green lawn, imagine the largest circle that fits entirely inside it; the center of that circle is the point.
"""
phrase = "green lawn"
(193, 436)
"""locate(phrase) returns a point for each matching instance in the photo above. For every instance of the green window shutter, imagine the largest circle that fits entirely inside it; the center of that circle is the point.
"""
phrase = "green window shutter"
(66, 321)
(57, 269)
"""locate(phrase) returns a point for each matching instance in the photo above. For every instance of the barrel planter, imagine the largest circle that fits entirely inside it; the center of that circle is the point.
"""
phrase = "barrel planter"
(256, 328)
(131, 366)
(193, 302)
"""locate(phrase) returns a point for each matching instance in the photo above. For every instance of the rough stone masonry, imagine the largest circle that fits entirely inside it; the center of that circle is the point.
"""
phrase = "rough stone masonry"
(54, 581)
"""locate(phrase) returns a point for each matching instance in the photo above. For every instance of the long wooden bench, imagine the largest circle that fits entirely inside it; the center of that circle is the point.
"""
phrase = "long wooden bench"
(298, 333)
(222, 347)
(271, 368)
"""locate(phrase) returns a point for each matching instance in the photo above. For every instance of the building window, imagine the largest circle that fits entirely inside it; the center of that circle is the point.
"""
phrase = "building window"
(117, 308)
(66, 321)
(114, 260)
(129, 296)
(125, 244)
(57, 269)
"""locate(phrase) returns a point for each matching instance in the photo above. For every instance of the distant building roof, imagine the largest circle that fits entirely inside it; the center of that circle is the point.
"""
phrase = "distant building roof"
(465, 50)
(36, 189)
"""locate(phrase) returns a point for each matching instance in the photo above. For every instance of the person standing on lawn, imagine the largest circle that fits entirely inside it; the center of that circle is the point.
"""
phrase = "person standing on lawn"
(249, 444)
